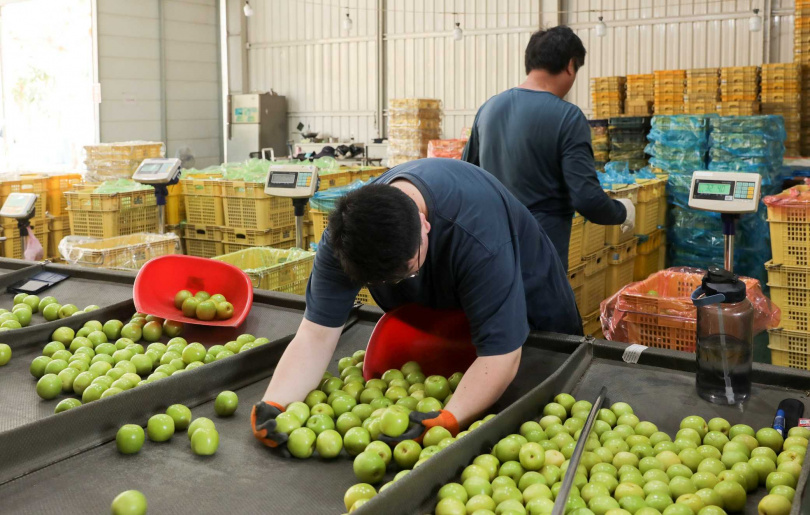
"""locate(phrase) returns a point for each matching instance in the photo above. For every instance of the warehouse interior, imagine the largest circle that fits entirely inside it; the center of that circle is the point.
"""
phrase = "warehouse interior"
(457, 257)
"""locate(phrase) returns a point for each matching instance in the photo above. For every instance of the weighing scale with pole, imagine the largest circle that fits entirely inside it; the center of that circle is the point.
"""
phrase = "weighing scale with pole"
(159, 173)
(21, 207)
(730, 194)
(297, 182)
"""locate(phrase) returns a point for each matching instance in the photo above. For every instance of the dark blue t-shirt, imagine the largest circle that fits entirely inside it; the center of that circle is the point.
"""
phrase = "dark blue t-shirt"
(486, 255)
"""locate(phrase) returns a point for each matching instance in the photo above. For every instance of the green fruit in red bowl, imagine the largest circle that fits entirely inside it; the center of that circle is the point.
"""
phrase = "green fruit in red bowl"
(189, 307)
(180, 297)
(224, 310)
(129, 439)
(205, 442)
(206, 310)
(226, 403)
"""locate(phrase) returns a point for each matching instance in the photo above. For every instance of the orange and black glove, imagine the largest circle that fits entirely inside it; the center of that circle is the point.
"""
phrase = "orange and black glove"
(421, 422)
(263, 421)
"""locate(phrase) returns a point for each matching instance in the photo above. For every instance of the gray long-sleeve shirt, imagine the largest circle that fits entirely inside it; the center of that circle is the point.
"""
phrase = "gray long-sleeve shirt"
(539, 147)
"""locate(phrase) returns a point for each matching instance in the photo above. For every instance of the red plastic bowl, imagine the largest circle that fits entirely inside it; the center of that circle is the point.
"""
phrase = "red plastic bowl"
(439, 340)
(161, 278)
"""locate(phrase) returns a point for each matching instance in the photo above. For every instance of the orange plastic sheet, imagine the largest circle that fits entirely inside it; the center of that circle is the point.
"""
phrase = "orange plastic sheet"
(449, 148)
(658, 311)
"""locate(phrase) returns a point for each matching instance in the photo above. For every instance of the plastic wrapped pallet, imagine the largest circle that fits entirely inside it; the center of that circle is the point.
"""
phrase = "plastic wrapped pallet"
(413, 123)
(108, 161)
(447, 148)
(129, 252)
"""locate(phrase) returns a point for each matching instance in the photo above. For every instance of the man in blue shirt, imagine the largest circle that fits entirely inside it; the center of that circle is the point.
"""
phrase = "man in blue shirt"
(443, 234)
(539, 146)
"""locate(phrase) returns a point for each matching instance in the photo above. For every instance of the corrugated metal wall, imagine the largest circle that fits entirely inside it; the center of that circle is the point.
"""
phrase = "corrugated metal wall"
(329, 76)
(647, 35)
(129, 47)
(298, 48)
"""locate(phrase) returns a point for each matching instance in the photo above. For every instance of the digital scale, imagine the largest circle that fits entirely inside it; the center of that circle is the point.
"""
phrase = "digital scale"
(159, 173)
(297, 182)
(21, 207)
(730, 194)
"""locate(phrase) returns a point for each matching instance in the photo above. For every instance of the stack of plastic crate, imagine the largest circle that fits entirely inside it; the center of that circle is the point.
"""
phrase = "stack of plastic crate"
(781, 95)
(205, 216)
(412, 123)
(640, 95)
(669, 90)
(628, 138)
(702, 90)
(28, 183)
(789, 276)
(106, 215)
(739, 91)
(801, 56)
(607, 96)
(108, 161)
(58, 218)
(600, 141)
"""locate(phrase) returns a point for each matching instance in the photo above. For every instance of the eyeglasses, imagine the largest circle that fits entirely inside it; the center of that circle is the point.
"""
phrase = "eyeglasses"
(418, 261)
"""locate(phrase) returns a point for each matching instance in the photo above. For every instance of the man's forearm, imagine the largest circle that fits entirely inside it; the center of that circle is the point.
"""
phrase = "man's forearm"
(303, 363)
(483, 384)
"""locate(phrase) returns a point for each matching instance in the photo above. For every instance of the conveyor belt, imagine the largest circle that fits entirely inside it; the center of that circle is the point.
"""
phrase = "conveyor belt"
(243, 477)
(660, 389)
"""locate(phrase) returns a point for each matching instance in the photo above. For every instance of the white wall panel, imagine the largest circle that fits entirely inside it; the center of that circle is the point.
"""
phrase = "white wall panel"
(329, 76)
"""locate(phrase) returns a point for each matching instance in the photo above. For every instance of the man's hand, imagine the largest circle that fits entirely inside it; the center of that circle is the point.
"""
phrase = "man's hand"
(421, 423)
(263, 421)
(630, 221)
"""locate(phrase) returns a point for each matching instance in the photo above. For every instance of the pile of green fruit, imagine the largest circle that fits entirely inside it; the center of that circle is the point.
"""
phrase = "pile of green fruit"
(88, 364)
(25, 306)
(629, 467)
(203, 306)
(348, 414)
(202, 433)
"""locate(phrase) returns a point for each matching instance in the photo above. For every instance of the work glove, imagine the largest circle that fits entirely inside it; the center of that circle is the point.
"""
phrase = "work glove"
(263, 421)
(630, 222)
(421, 422)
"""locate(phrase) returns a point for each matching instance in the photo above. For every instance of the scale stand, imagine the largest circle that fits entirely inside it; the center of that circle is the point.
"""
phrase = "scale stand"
(21, 207)
(730, 194)
(297, 182)
(159, 173)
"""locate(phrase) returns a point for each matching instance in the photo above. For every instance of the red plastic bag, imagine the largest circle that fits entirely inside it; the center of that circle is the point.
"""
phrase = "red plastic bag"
(658, 311)
(448, 148)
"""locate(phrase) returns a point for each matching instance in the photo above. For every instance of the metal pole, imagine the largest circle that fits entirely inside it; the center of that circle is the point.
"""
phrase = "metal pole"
(299, 232)
(161, 219)
(573, 464)
(728, 262)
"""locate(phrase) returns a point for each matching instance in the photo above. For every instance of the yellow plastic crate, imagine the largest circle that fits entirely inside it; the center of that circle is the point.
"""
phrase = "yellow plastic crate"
(662, 211)
(273, 269)
(364, 297)
(790, 243)
(646, 264)
(13, 247)
(335, 179)
(650, 242)
(204, 210)
(319, 221)
(619, 276)
(24, 184)
(56, 187)
(789, 348)
(787, 276)
(108, 224)
(83, 198)
(175, 210)
(618, 254)
(591, 324)
(575, 243)
(129, 150)
(202, 232)
(209, 185)
(54, 237)
(594, 292)
(650, 189)
(203, 248)
(59, 223)
(257, 238)
(596, 261)
(63, 182)
(646, 217)
(593, 238)
(576, 275)
(125, 252)
(258, 213)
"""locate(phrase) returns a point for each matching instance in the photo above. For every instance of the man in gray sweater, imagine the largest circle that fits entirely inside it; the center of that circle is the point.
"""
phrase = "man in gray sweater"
(539, 146)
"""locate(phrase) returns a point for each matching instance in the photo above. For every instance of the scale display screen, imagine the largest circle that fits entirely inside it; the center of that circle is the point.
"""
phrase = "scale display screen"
(714, 188)
(283, 179)
(150, 168)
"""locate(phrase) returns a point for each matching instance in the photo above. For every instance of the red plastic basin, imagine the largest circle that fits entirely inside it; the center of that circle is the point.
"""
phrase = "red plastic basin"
(161, 278)
(439, 340)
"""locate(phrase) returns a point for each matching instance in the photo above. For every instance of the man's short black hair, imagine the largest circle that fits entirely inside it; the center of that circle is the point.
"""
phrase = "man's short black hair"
(553, 49)
(374, 231)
